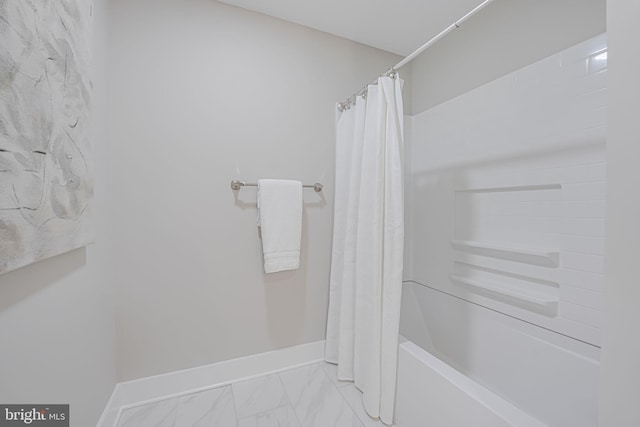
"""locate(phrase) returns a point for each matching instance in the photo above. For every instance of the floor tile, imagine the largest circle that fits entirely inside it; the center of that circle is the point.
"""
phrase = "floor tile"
(332, 372)
(280, 417)
(315, 400)
(308, 396)
(159, 414)
(258, 395)
(353, 397)
(208, 408)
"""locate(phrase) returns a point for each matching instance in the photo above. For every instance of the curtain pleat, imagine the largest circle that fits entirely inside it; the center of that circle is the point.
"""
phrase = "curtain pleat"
(367, 253)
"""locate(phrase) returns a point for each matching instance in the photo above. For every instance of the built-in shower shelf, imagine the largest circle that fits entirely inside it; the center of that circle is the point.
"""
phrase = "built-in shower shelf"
(547, 305)
(522, 255)
(539, 187)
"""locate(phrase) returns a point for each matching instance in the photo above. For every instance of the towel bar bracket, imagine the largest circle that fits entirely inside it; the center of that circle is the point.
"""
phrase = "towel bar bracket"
(236, 185)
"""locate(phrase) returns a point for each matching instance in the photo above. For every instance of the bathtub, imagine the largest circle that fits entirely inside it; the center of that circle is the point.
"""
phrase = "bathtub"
(432, 393)
(463, 365)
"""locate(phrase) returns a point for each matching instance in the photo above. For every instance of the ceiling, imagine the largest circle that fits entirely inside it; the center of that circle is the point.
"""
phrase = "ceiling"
(398, 26)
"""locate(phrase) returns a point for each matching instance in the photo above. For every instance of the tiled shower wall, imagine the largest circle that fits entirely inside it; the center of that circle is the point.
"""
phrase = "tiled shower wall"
(508, 193)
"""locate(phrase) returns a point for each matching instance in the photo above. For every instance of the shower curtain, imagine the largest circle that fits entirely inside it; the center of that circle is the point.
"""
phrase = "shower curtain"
(367, 253)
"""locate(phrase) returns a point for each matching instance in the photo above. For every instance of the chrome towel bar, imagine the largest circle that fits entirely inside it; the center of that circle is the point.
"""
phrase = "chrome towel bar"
(236, 185)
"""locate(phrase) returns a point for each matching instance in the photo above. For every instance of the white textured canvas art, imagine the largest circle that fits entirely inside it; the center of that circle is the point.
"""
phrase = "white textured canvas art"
(45, 178)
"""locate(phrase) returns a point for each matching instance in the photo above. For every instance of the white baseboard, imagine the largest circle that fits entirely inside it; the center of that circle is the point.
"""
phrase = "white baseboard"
(159, 387)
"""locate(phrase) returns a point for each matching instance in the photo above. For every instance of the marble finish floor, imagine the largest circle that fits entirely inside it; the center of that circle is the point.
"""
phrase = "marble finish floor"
(307, 396)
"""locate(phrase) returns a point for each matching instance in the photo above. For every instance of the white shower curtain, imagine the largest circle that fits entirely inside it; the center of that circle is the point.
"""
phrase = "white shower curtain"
(367, 254)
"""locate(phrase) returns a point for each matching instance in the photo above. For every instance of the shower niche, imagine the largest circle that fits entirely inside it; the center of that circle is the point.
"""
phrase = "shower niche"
(528, 241)
(503, 250)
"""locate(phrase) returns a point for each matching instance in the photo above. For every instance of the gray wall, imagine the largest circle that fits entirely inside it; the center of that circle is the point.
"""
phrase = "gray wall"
(619, 390)
(57, 327)
(203, 93)
(505, 36)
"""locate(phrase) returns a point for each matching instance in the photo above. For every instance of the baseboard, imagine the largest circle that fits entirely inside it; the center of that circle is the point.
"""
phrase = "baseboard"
(159, 387)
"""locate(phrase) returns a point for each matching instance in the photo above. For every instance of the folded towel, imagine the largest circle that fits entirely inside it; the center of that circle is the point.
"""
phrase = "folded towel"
(280, 220)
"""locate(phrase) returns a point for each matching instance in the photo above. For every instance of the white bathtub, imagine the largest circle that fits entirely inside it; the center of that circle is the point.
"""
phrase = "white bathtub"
(464, 365)
(431, 393)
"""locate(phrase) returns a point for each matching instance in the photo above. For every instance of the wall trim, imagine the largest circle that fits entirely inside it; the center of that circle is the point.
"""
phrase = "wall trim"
(155, 388)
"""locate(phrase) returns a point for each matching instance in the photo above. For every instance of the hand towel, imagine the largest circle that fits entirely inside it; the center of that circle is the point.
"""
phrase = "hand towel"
(280, 221)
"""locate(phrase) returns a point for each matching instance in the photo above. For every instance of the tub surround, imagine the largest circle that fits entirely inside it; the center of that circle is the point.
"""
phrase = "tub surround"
(507, 195)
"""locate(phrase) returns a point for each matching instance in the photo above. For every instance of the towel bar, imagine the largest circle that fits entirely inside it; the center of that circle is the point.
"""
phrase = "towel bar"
(236, 185)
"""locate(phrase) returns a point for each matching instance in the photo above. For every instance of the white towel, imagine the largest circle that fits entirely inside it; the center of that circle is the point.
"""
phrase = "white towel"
(280, 220)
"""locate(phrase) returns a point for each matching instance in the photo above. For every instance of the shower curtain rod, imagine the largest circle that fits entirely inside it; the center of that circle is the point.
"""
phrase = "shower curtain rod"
(393, 70)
